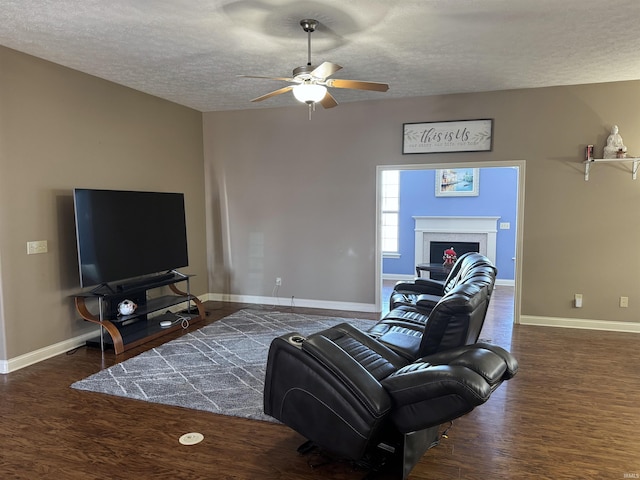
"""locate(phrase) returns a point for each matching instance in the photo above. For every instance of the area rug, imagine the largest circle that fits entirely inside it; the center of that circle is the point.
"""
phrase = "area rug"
(219, 368)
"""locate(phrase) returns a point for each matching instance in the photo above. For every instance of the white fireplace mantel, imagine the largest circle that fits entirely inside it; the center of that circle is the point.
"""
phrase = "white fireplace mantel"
(455, 229)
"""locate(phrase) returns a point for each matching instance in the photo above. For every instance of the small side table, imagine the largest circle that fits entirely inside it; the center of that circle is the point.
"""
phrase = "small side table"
(432, 267)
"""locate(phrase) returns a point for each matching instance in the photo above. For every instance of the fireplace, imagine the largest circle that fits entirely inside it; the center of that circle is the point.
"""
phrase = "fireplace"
(436, 252)
(454, 230)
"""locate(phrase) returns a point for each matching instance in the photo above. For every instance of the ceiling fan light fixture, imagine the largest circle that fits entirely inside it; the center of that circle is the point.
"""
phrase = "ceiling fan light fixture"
(309, 92)
(312, 81)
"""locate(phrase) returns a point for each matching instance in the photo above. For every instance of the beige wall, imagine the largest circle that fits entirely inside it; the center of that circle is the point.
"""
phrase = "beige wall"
(296, 198)
(61, 129)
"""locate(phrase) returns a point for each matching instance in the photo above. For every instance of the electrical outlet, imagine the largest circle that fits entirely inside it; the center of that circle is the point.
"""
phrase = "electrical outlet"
(39, 246)
(624, 302)
(278, 281)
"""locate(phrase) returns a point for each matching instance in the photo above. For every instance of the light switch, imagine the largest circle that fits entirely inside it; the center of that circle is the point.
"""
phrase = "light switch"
(577, 300)
(505, 225)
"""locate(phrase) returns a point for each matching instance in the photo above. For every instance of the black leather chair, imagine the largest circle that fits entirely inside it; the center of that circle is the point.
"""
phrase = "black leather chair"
(351, 395)
(457, 319)
(406, 293)
(423, 327)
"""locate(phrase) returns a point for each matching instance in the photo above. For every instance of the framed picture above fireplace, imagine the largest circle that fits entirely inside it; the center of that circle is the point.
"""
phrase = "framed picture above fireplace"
(457, 182)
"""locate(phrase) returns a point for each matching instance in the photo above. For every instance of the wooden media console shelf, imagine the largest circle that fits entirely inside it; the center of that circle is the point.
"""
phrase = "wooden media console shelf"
(129, 331)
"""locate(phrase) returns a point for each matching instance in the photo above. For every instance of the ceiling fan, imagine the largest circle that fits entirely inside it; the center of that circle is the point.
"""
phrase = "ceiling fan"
(310, 82)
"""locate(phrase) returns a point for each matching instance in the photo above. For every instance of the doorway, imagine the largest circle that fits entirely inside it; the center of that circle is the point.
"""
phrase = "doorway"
(518, 167)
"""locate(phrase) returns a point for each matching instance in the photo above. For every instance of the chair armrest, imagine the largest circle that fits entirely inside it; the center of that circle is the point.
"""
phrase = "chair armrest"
(411, 287)
(430, 286)
(426, 302)
(362, 384)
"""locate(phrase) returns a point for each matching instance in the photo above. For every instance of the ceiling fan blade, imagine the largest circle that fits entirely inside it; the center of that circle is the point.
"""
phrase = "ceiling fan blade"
(273, 94)
(358, 85)
(284, 79)
(328, 101)
(325, 69)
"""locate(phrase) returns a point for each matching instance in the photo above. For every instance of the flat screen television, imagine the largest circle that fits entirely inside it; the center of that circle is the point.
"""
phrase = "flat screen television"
(126, 234)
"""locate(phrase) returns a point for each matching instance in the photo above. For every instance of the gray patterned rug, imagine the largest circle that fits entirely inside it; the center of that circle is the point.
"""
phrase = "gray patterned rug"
(219, 368)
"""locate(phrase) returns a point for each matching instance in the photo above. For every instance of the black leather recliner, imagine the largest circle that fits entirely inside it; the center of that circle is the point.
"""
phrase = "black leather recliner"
(456, 320)
(406, 293)
(421, 327)
(351, 395)
(359, 394)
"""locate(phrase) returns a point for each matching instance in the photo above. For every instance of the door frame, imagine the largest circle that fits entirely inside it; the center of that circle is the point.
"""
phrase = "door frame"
(519, 164)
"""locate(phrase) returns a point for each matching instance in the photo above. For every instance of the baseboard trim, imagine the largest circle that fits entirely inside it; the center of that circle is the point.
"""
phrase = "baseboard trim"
(21, 361)
(604, 325)
(295, 302)
(13, 364)
(396, 277)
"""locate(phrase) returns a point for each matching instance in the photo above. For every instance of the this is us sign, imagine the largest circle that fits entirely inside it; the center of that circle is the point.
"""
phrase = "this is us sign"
(444, 137)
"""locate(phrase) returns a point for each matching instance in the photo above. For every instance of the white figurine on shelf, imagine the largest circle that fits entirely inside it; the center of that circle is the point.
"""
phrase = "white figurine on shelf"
(614, 148)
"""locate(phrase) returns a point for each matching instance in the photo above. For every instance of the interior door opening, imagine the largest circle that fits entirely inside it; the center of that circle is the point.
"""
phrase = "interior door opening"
(445, 205)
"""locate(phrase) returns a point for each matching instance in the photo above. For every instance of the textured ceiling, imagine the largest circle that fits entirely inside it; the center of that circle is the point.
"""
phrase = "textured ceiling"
(192, 51)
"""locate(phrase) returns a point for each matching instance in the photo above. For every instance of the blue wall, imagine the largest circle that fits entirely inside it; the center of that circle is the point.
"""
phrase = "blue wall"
(497, 197)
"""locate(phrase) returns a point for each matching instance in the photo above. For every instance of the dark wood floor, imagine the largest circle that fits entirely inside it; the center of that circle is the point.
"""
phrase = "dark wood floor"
(572, 412)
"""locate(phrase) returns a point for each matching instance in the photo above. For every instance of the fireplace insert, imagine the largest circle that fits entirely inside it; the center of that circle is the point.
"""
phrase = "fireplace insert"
(436, 253)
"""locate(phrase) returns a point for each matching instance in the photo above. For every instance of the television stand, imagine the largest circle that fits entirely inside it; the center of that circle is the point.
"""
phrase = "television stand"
(128, 331)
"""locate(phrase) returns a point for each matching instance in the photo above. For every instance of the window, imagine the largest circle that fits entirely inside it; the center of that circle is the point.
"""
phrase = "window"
(390, 209)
